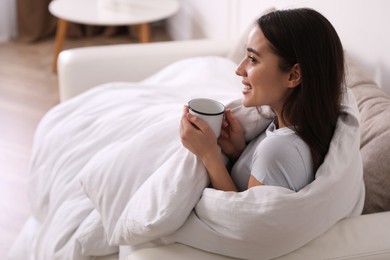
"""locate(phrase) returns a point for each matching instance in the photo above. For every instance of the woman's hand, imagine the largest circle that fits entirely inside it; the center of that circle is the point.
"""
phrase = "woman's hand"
(197, 136)
(232, 139)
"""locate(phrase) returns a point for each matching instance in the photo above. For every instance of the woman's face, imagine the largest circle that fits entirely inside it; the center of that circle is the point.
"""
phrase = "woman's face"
(264, 82)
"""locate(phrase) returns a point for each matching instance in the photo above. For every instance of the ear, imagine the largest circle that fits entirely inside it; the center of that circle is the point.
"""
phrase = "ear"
(295, 77)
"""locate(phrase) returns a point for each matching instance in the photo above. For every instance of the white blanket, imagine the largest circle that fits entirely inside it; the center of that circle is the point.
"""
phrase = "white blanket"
(108, 169)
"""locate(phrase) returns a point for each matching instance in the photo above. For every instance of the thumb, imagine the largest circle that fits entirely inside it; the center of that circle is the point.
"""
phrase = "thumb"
(232, 120)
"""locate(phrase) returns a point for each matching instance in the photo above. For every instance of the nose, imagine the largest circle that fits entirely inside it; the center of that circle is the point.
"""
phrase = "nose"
(240, 70)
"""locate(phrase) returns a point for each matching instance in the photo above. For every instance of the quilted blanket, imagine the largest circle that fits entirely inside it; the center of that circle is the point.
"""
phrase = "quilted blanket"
(108, 169)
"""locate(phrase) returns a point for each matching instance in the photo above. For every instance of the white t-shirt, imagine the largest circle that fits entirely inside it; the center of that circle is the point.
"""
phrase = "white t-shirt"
(277, 157)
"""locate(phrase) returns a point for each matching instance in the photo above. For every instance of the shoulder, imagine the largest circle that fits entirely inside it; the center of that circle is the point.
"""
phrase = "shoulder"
(282, 144)
(283, 157)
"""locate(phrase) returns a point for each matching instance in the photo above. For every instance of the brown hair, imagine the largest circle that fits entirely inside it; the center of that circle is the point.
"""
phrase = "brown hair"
(306, 37)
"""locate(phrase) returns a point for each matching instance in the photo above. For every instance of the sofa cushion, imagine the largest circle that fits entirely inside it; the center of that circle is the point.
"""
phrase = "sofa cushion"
(374, 107)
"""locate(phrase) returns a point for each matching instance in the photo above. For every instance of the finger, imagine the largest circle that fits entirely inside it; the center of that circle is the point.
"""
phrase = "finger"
(183, 127)
(184, 119)
(229, 115)
(185, 111)
(232, 121)
(225, 123)
(223, 134)
(185, 124)
(198, 123)
(225, 128)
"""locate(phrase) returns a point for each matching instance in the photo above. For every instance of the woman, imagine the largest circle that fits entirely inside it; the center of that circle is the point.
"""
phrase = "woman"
(295, 65)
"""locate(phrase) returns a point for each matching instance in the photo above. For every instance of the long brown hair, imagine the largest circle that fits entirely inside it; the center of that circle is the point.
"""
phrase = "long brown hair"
(306, 37)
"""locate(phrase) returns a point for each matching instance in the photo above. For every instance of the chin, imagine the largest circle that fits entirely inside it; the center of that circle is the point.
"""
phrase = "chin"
(247, 103)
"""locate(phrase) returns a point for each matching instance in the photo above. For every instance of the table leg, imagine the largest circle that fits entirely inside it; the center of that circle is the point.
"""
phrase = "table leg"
(62, 27)
(144, 32)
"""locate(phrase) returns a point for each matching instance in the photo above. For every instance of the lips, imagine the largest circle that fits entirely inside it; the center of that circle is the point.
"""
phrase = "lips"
(247, 87)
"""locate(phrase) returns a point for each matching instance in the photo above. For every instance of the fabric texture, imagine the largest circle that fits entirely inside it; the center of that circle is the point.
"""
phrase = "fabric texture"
(175, 176)
(103, 130)
(277, 157)
(374, 106)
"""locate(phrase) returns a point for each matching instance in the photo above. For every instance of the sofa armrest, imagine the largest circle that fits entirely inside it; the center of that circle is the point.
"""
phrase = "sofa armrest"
(361, 237)
(83, 68)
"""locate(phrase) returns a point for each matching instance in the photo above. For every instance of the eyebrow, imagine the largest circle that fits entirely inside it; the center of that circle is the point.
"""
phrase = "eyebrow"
(252, 50)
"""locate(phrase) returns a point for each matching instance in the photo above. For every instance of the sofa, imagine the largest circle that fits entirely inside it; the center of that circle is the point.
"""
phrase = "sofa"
(361, 237)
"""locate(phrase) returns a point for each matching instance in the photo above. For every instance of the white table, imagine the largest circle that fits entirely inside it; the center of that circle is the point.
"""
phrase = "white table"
(88, 12)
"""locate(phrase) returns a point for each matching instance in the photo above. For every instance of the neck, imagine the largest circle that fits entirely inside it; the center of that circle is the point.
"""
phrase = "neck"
(279, 121)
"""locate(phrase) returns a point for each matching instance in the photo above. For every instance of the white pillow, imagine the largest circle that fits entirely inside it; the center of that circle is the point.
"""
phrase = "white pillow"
(267, 221)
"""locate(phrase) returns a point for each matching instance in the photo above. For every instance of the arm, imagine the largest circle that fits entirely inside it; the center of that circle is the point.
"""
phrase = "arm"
(83, 68)
(199, 138)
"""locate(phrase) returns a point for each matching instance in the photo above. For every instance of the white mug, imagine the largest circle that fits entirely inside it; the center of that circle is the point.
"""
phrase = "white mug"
(208, 110)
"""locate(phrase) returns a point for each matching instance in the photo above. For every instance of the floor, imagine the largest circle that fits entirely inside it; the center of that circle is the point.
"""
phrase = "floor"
(28, 89)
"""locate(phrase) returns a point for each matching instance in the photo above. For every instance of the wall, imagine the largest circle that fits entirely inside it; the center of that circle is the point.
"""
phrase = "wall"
(7, 20)
(202, 19)
(361, 24)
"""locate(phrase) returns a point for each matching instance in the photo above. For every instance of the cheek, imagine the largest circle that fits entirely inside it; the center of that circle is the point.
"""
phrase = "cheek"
(268, 86)
(261, 78)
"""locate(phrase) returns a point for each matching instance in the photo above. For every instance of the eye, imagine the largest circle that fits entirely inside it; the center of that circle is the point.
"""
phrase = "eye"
(251, 58)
